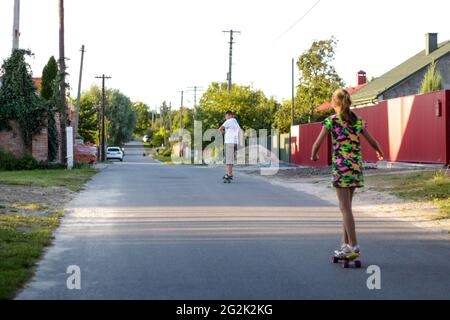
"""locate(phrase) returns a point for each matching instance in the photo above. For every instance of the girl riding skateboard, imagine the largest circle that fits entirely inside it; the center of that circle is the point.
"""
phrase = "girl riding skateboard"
(346, 130)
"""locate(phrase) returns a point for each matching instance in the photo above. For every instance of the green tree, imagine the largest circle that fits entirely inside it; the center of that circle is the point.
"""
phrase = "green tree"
(432, 81)
(251, 107)
(89, 117)
(121, 118)
(164, 125)
(318, 80)
(49, 75)
(18, 98)
(143, 118)
(187, 116)
(87, 123)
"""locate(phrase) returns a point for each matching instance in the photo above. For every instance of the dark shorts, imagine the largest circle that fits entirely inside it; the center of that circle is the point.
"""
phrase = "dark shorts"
(230, 153)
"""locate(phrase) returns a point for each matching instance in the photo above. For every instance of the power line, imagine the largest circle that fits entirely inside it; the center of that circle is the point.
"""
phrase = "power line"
(195, 89)
(298, 21)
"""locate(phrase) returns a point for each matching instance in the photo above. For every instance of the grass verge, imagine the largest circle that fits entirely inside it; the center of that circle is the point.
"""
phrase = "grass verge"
(419, 186)
(163, 159)
(72, 179)
(23, 238)
(22, 242)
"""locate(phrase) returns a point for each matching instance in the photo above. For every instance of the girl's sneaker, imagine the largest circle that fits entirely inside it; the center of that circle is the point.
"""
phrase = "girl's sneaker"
(347, 251)
(343, 250)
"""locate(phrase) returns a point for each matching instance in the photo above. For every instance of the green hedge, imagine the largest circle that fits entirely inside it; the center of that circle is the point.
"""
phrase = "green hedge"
(8, 162)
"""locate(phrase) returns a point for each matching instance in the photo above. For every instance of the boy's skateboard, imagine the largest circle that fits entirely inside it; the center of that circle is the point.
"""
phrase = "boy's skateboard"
(347, 261)
(227, 179)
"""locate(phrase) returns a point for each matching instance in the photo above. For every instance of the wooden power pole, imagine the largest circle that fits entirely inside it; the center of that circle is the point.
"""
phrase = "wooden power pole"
(103, 143)
(230, 62)
(62, 84)
(16, 25)
(77, 111)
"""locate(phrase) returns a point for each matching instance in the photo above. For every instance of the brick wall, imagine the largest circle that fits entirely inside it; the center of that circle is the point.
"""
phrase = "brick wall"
(11, 141)
(40, 145)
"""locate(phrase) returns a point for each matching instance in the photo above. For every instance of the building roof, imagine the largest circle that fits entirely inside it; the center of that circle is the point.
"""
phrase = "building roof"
(37, 83)
(351, 90)
(379, 85)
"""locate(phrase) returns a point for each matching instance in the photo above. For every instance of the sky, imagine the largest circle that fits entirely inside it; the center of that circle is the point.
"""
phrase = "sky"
(155, 49)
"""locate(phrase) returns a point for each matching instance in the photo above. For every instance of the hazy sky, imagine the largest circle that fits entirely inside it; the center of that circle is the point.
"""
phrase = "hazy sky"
(154, 49)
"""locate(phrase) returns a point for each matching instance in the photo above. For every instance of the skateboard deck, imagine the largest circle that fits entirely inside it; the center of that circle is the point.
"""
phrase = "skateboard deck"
(350, 260)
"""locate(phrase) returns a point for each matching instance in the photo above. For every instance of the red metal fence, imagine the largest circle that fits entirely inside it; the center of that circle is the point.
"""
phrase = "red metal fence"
(409, 129)
(302, 140)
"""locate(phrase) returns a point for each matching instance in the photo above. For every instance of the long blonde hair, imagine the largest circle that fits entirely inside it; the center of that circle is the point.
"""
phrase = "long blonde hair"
(342, 98)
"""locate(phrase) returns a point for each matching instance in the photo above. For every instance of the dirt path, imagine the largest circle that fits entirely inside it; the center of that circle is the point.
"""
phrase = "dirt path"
(33, 201)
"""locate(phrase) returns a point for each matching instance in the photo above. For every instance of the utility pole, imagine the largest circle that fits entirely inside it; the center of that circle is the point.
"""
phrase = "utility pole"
(181, 123)
(170, 119)
(16, 25)
(103, 149)
(230, 63)
(77, 111)
(195, 89)
(62, 84)
(293, 93)
(163, 120)
(153, 116)
(181, 112)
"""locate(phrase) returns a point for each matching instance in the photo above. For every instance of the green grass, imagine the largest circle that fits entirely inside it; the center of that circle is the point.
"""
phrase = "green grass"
(29, 206)
(72, 179)
(420, 186)
(23, 238)
(163, 159)
(22, 242)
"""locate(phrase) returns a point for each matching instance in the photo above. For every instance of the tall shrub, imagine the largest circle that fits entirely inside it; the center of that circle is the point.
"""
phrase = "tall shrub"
(432, 81)
(19, 100)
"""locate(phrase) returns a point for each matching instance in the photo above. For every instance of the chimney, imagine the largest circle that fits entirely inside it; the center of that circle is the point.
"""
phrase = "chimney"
(362, 78)
(431, 42)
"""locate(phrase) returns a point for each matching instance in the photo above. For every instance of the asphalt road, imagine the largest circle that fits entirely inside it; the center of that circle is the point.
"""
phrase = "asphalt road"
(143, 230)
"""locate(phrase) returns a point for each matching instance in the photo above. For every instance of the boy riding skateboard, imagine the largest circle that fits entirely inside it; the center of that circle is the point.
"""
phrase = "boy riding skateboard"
(231, 130)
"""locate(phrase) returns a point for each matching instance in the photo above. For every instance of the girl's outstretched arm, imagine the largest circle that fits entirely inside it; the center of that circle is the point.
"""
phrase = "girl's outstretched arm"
(320, 139)
(374, 144)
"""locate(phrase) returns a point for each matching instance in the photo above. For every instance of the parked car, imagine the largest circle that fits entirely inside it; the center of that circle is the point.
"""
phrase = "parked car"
(114, 153)
(145, 138)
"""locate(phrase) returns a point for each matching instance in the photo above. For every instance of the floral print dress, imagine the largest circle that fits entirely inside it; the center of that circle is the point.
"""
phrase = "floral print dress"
(347, 160)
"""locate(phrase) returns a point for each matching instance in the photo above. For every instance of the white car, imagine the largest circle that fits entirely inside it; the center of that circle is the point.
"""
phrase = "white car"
(114, 153)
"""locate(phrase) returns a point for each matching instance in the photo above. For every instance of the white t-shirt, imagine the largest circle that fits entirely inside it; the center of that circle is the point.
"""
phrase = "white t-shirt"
(231, 131)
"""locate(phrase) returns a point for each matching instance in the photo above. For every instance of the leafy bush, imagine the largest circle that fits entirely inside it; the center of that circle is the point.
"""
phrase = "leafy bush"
(9, 162)
(432, 81)
(166, 152)
(27, 163)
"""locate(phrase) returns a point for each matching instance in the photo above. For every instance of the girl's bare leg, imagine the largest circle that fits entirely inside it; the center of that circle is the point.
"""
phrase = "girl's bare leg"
(345, 238)
(345, 196)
